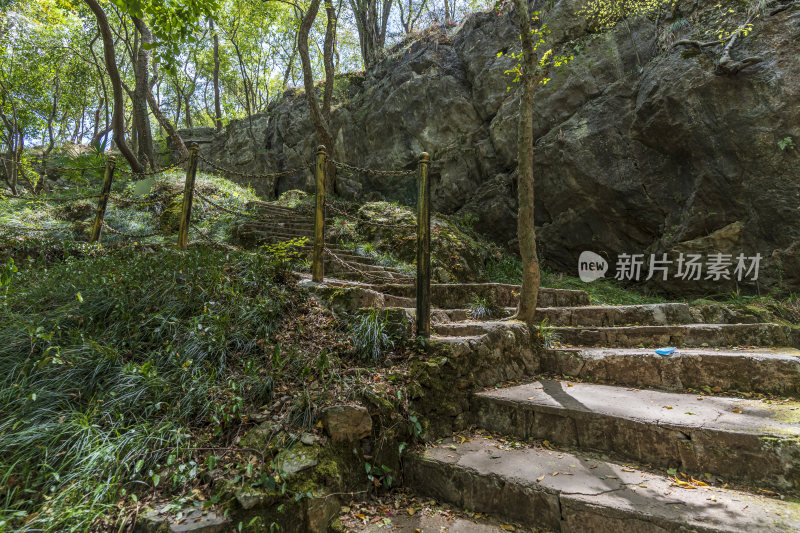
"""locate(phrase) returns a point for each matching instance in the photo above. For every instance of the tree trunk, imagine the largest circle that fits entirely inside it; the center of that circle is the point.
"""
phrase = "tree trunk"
(141, 119)
(163, 121)
(526, 231)
(217, 104)
(118, 117)
(321, 122)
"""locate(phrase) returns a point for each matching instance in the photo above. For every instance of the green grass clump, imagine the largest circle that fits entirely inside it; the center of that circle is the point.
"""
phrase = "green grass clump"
(370, 335)
(113, 367)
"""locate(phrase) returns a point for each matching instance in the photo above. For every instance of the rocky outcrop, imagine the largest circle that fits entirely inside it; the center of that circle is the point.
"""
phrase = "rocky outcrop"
(663, 157)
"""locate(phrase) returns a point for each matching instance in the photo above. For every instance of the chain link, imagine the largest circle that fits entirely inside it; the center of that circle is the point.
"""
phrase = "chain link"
(206, 237)
(44, 199)
(373, 172)
(387, 274)
(129, 235)
(151, 172)
(347, 216)
(48, 169)
(23, 229)
(122, 199)
(232, 211)
(252, 176)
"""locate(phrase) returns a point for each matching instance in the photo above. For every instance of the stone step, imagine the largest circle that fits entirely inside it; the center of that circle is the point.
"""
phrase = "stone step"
(747, 440)
(267, 227)
(439, 522)
(587, 495)
(378, 276)
(676, 335)
(596, 315)
(335, 266)
(765, 370)
(460, 295)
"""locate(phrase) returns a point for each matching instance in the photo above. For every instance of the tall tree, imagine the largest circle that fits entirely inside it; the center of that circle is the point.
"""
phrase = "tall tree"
(526, 231)
(372, 18)
(217, 104)
(118, 115)
(319, 116)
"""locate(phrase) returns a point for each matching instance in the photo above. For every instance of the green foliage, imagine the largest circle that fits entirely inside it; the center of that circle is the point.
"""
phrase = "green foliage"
(547, 60)
(482, 309)
(605, 14)
(787, 143)
(7, 272)
(379, 475)
(546, 333)
(504, 269)
(370, 335)
(108, 366)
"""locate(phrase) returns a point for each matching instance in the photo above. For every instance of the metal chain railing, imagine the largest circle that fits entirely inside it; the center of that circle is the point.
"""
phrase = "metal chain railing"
(372, 171)
(370, 275)
(143, 201)
(48, 169)
(153, 172)
(347, 216)
(248, 175)
(236, 212)
(23, 229)
(130, 235)
(206, 237)
(51, 199)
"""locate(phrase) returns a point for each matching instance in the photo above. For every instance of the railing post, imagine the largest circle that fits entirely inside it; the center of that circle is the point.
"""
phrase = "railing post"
(188, 190)
(103, 202)
(423, 247)
(317, 267)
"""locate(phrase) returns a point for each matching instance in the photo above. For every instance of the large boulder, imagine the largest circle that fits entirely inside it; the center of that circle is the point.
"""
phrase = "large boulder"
(642, 147)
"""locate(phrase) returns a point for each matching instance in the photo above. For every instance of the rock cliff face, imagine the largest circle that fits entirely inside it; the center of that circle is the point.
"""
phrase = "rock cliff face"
(663, 157)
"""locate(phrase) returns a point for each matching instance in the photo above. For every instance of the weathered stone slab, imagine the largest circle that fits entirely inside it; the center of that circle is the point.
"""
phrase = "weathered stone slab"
(346, 423)
(190, 521)
(748, 440)
(460, 295)
(299, 457)
(585, 494)
(680, 335)
(771, 371)
(402, 523)
(596, 315)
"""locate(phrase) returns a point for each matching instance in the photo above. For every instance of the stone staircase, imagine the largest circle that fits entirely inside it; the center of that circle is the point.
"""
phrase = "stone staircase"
(650, 449)
(592, 457)
(596, 433)
(279, 224)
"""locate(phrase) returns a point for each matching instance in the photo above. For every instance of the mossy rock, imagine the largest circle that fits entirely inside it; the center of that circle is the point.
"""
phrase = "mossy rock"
(170, 219)
(293, 198)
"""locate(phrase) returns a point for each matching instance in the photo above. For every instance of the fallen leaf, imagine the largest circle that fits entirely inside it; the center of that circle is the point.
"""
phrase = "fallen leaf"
(540, 478)
(554, 474)
(667, 407)
(507, 527)
(735, 411)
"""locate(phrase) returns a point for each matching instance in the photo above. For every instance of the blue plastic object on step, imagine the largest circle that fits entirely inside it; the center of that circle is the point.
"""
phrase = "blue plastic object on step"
(665, 351)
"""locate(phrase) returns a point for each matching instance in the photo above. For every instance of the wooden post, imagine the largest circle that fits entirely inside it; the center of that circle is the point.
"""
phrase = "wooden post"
(188, 190)
(103, 202)
(423, 247)
(317, 266)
